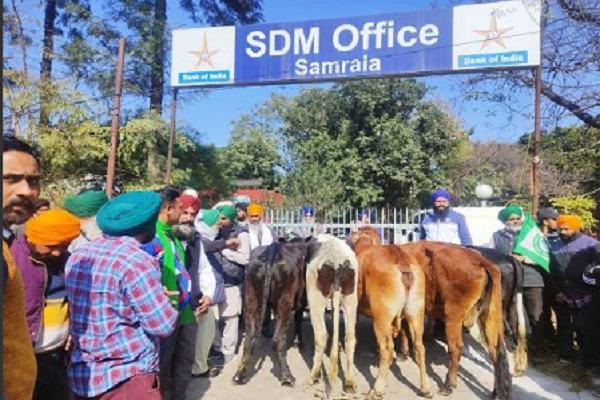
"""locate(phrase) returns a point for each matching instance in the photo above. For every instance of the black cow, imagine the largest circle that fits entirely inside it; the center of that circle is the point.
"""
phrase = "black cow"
(275, 281)
(512, 304)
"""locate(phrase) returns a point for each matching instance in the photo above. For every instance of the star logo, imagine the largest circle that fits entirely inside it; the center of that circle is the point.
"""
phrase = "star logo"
(493, 34)
(204, 54)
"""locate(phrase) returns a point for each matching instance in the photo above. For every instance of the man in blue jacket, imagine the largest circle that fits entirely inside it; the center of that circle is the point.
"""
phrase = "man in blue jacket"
(444, 224)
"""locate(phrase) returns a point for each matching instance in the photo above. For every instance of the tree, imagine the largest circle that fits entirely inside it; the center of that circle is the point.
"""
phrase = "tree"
(47, 55)
(19, 92)
(570, 66)
(570, 166)
(253, 153)
(372, 142)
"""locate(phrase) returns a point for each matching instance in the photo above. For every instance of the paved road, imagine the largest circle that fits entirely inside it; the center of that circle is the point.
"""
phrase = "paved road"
(475, 375)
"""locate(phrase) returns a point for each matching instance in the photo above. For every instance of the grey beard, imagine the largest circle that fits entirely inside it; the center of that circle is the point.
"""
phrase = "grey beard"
(512, 228)
(254, 228)
(184, 232)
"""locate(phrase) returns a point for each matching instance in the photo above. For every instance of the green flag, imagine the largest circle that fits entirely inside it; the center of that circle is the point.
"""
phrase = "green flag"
(531, 243)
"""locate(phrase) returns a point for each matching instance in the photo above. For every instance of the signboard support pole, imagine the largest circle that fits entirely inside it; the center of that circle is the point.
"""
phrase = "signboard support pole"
(171, 136)
(537, 136)
(114, 129)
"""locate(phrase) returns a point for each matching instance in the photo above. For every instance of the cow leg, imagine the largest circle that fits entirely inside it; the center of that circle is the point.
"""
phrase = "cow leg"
(492, 327)
(298, 316)
(455, 347)
(317, 304)
(252, 323)
(350, 303)
(415, 325)
(383, 332)
(404, 346)
(284, 312)
(521, 351)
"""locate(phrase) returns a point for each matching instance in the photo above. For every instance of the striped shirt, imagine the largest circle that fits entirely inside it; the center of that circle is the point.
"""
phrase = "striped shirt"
(118, 312)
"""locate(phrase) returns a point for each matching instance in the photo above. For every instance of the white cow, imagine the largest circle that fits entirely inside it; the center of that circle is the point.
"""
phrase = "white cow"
(332, 273)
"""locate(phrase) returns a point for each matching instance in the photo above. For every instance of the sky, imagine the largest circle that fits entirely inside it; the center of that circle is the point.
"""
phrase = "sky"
(213, 112)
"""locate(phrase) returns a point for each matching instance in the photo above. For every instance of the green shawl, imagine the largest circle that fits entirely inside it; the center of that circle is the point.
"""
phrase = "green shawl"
(164, 232)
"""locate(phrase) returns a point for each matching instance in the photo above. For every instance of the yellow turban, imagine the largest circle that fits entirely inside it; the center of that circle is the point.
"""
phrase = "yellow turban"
(52, 227)
(569, 221)
(255, 209)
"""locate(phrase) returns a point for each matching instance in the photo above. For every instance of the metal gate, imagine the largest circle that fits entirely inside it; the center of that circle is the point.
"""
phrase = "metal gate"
(394, 225)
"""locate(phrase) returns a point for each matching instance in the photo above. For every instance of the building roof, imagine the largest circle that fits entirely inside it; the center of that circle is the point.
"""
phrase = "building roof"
(262, 196)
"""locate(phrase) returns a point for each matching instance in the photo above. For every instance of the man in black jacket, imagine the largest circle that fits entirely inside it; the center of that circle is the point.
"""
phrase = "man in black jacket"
(533, 280)
(228, 253)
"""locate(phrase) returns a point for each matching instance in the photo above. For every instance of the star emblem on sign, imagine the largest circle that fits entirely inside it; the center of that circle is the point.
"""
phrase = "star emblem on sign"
(204, 55)
(493, 34)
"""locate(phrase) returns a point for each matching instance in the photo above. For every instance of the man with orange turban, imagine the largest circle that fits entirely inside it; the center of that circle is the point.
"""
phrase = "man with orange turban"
(571, 255)
(41, 255)
(260, 233)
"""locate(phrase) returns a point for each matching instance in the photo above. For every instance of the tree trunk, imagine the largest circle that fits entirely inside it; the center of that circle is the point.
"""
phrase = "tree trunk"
(46, 65)
(157, 81)
(158, 63)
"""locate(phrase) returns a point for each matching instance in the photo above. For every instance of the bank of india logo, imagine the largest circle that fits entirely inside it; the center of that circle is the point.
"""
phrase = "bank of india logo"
(494, 34)
(204, 55)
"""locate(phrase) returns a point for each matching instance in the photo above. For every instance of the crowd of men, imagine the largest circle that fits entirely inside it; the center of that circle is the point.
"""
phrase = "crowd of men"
(137, 295)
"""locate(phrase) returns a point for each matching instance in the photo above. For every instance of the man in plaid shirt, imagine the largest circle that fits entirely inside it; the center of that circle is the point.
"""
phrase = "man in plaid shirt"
(118, 309)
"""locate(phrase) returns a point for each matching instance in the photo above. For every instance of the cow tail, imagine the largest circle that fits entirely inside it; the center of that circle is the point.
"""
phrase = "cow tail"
(510, 312)
(337, 292)
(494, 333)
(272, 250)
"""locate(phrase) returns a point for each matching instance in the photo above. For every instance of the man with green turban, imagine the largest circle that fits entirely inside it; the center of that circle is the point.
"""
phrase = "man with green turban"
(229, 254)
(85, 206)
(533, 278)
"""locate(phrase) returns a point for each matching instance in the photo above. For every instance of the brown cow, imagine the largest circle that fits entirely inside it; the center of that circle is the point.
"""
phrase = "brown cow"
(461, 287)
(391, 287)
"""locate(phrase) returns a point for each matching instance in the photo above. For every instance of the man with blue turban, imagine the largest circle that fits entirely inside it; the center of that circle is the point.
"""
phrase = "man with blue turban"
(444, 224)
(118, 309)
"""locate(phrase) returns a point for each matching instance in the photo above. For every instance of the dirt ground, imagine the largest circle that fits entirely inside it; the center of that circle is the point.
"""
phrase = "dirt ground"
(475, 375)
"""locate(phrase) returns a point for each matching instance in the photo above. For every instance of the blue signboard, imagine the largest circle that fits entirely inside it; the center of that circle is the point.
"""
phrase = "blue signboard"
(473, 37)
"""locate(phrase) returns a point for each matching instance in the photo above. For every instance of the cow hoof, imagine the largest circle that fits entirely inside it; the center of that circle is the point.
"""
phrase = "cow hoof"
(350, 387)
(288, 381)
(239, 379)
(427, 394)
(519, 373)
(446, 390)
(375, 395)
(402, 357)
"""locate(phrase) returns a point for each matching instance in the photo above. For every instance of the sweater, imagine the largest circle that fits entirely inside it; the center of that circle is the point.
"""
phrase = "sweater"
(19, 365)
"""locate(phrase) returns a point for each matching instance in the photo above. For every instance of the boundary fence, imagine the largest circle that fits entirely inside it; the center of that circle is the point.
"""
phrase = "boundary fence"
(395, 225)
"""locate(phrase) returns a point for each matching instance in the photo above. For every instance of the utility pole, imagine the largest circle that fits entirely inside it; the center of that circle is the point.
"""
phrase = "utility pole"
(171, 136)
(537, 137)
(114, 128)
